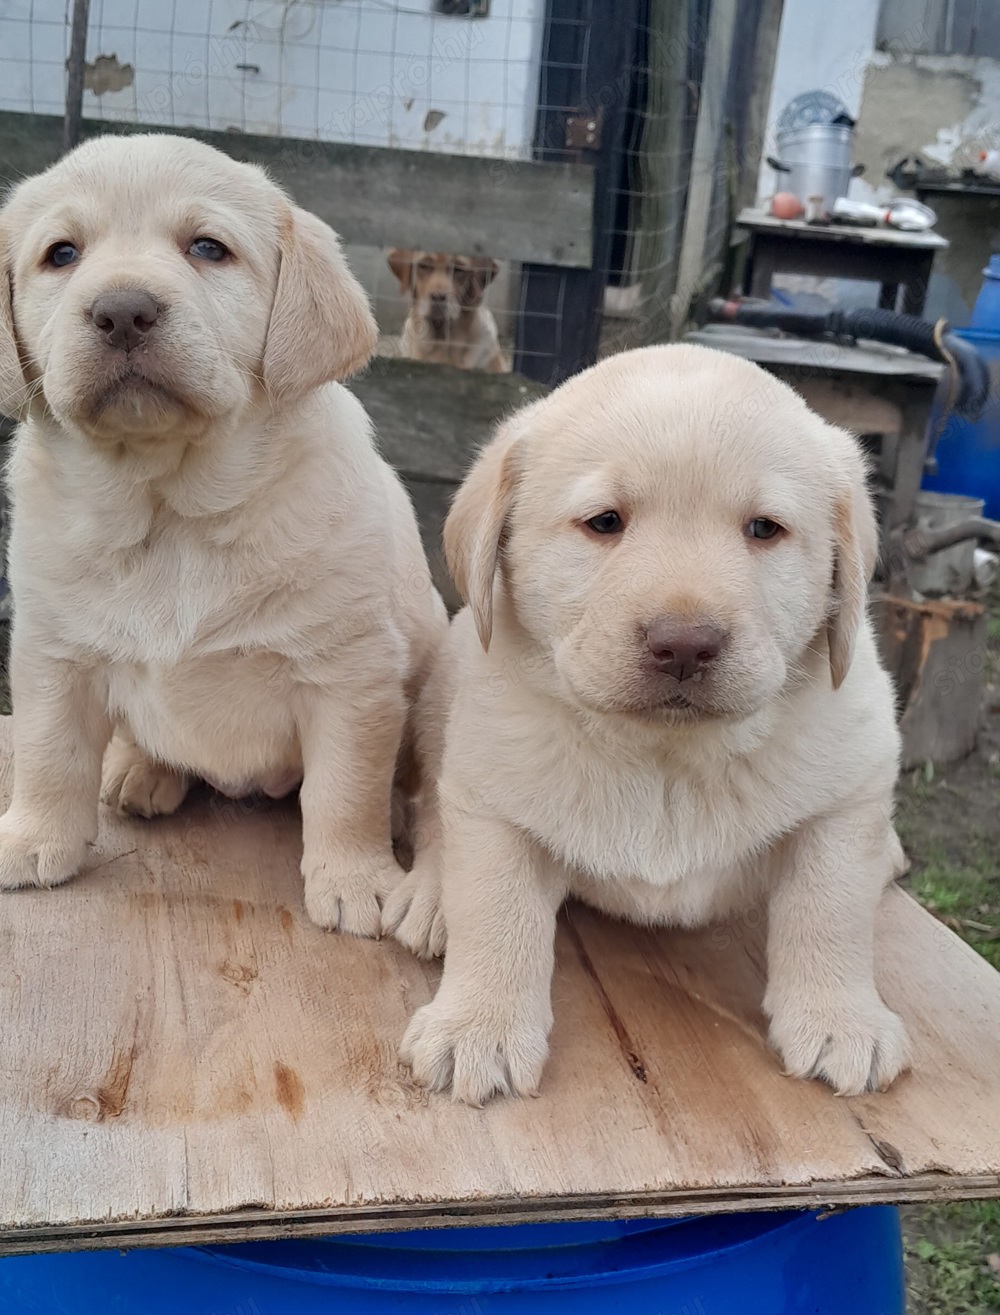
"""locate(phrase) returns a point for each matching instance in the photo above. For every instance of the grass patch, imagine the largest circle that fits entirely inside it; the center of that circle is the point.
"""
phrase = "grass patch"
(953, 1258)
(949, 822)
(966, 897)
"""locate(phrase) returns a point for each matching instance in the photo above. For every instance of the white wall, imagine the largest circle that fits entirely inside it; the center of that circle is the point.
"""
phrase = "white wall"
(367, 71)
(821, 46)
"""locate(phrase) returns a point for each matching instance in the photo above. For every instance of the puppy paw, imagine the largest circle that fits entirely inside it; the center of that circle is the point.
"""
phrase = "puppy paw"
(346, 893)
(136, 786)
(477, 1055)
(29, 859)
(855, 1047)
(413, 914)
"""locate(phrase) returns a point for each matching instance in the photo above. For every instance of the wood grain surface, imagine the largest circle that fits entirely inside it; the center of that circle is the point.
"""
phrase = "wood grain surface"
(183, 1056)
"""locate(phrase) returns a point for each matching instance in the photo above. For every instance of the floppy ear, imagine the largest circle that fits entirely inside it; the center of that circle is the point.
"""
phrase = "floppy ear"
(12, 389)
(321, 325)
(854, 556)
(401, 263)
(476, 277)
(474, 530)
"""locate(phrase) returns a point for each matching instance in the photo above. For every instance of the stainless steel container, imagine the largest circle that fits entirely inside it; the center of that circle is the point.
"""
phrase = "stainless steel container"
(948, 572)
(815, 161)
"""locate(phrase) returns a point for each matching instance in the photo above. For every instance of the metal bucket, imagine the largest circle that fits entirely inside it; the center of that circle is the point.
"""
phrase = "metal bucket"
(815, 161)
(949, 572)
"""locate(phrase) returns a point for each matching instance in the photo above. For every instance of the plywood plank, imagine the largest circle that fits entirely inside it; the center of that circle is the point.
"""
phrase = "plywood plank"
(525, 210)
(184, 1057)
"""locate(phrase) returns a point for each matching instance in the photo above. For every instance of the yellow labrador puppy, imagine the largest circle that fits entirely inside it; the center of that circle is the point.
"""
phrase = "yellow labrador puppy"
(665, 700)
(207, 554)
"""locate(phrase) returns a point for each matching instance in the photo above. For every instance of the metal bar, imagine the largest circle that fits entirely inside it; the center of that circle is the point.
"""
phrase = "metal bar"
(590, 67)
(75, 74)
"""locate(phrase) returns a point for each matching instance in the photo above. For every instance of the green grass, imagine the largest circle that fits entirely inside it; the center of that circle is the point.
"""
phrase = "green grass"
(952, 1249)
(966, 897)
(949, 1250)
(949, 1247)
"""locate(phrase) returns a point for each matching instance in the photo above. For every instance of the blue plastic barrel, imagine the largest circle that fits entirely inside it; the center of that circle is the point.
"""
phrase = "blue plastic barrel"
(968, 454)
(986, 311)
(790, 1263)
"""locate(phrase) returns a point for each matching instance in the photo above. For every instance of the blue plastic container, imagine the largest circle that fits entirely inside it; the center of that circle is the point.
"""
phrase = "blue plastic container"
(968, 455)
(986, 311)
(790, 1263)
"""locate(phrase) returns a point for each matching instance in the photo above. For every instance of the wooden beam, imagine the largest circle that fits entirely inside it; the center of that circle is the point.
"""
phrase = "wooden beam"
(525, 210)
(75, 74)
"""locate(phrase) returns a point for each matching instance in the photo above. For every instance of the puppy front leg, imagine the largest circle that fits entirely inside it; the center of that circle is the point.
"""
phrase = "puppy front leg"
(827, 1019)
(61, 726)
(350, 742)
(413, 912)
(487, 1029)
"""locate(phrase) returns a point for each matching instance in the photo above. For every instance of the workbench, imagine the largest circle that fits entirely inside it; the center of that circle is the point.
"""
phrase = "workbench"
(186, 1058)
(887, 256)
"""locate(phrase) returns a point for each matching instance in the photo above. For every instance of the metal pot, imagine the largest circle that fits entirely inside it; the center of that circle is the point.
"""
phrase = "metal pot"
(817, 161)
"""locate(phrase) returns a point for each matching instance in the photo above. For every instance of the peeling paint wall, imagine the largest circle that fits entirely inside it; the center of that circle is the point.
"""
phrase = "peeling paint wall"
(945, 108)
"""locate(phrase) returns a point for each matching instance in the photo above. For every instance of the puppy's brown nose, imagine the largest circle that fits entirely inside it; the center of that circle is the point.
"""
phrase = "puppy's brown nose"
(125, 317)
(682, 651)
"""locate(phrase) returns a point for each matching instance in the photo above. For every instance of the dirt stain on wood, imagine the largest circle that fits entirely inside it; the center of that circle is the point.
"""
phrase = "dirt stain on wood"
(287, 921)
(238, 974)
(238, 910)
(289, 1090)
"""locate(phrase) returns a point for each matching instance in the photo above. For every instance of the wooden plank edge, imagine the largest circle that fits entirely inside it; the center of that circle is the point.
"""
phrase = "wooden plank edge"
(262, 1225)
(521, 229)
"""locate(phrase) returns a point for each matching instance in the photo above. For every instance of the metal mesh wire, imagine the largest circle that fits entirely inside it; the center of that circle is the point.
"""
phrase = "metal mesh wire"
(403, 76)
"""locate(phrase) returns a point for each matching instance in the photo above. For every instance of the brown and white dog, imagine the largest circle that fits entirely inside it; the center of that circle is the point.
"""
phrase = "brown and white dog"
(448, 323)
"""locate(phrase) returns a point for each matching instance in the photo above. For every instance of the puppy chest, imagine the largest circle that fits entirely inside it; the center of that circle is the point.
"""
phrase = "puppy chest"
(227, 713)
(165, 605)
(648, 827)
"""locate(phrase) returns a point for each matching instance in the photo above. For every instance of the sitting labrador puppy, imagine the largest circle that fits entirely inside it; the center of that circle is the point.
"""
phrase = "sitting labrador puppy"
(447, 322)
(208, 555)
(665, 700)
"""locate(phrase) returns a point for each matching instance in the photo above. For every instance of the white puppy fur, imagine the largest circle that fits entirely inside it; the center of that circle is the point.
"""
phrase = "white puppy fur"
(580, 762)
(208, 555)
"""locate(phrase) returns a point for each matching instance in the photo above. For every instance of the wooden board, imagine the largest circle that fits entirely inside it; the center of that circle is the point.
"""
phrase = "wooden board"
(815, 355)
(430, 421)
(185, 1057)
(526, 210)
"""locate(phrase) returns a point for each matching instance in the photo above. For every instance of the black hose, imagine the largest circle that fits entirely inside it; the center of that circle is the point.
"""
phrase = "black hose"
(972, 377)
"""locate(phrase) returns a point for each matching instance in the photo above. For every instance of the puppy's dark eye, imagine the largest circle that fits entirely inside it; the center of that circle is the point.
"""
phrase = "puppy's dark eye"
(61, 254)
(608, 522)
(762, 528)
(207, 248)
